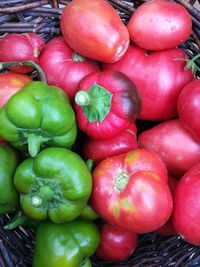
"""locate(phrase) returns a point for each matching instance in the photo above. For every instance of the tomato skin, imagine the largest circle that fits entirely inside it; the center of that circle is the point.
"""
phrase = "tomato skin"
(174, 144)
(95, 30)
(186, 213)
(129, 194)
(98, 150)
(115, 243)
(188, 106)
(27, 46)
(168, 229)
(10, 83)
(61, 67)
(159, 25)
(158, 77)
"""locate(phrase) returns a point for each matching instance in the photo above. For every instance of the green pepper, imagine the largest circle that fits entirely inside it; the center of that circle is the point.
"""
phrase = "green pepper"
(38, 116)
(9, 160)
(55, 185)
(70, 244)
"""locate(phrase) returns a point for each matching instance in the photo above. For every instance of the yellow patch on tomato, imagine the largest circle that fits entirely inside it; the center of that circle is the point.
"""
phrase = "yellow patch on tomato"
(131, 157)
(154, 175)
(127, 205)
(114, 208)
(15, 82)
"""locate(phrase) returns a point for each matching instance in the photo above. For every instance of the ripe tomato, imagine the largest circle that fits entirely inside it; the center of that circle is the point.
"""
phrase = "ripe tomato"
(63, 67)
(21, 47)
(174, 144)
(115, 243)
(10, 83)
(94, 29)
(168, 229)
(159, 78)
(160, 25)
(106, 103)
(188, 106)
(186, 213)
(98, 150)
(130, 191)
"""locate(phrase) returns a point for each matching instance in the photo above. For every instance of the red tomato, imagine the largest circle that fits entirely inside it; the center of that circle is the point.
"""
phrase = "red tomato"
(98, 150)
(188, 106)
(174, 144)
(94, 29)
(168, 229)
(130, 191)
(10, 83)
(160, 25)
(20, 47)
(115, 243)
(106, 103)
(63, 67)
(158, 77)
(186, 213)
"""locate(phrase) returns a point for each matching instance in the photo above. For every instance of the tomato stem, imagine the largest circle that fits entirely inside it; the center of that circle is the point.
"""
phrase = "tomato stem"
(78, 58)
(82, 98)
(25, 63)
(121, 181)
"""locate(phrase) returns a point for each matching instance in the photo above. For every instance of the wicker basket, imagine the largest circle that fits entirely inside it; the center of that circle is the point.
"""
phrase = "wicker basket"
(42, 17)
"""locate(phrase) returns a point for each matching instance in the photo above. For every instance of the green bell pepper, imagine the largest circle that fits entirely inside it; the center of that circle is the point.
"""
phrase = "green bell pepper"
(56, 184)
(9, 160)
(37, 116)
(70, 244)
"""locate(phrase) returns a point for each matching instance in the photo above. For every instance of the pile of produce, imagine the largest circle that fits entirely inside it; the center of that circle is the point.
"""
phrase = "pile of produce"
(100, 132)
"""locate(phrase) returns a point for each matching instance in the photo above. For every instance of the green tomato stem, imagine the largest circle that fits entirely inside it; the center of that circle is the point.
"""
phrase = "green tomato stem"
(25, 63)
(121, 181)
(82, 98)
(77, 58)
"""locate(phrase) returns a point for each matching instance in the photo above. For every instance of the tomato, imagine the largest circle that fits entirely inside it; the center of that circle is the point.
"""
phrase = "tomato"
(115, 243)
(186, 213)
(174, 144)
(63, 67)
(94, 29)
(188, 106)
(98, 150)
(20, 47)
(130, 191)
(168, 229)
(159, 78)
(160, 25)
(10, 83)
(106, 103)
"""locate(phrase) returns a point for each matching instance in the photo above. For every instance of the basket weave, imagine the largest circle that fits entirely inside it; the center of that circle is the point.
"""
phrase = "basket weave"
(153, 250)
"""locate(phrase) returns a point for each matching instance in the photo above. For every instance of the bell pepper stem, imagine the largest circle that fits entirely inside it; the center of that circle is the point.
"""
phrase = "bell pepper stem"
(36, 201)
(82, 98)
(16, 221)
(34, 143)
(25, 63)
(45, 194)
(90, 164)
(86, 263)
